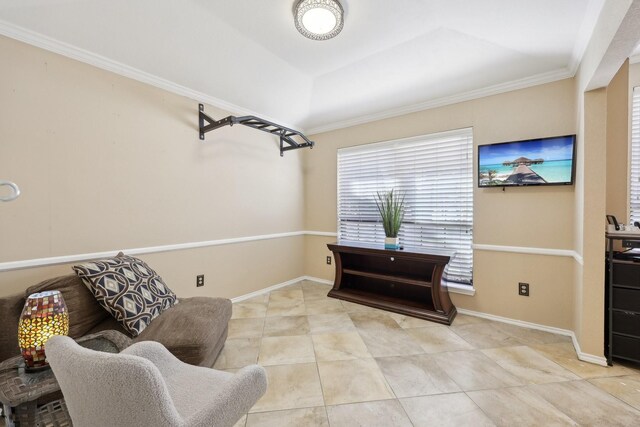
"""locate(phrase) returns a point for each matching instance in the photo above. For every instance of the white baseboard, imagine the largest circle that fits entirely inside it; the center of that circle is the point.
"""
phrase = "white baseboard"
(280, 285)
(317, 279)
(585, 357)
(266, 290)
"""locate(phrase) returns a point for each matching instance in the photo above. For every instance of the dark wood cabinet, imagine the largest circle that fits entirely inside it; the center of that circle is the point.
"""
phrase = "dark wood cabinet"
(407, 281)
(622, 326)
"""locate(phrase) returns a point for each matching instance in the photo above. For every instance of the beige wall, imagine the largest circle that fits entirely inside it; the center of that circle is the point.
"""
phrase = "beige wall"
(590, 331)
(529, 217)
(107, 163)
(578, 225)
(634, 75)
(230, 270)
(617, 202)
(612, 14)
(595, 126)
(315, 255)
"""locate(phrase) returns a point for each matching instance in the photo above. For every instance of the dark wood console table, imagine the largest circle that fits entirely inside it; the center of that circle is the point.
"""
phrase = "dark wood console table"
(407, 281)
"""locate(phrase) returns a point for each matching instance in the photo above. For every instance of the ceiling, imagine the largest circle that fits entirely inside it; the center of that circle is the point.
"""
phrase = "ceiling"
(392, 57)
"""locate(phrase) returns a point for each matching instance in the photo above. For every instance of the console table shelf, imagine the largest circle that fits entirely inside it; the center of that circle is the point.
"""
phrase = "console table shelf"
(394, 278)
(403, 281)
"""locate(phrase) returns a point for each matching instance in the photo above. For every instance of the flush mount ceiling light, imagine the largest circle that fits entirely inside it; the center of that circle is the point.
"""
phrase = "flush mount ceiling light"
(319, 19)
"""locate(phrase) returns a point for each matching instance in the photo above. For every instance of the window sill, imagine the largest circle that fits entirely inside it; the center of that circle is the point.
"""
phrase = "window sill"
(455, 288)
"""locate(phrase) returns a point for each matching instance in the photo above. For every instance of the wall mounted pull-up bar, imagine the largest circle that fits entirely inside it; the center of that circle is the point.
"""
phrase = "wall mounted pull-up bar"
(286, 135)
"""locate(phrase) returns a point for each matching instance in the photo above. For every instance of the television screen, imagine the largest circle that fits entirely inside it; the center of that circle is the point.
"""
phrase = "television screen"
(545, 161)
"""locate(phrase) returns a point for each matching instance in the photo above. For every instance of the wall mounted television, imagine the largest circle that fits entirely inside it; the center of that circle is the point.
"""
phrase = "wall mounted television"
(542, 161)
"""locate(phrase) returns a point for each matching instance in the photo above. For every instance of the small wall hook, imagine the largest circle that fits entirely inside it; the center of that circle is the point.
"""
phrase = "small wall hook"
(15, 191)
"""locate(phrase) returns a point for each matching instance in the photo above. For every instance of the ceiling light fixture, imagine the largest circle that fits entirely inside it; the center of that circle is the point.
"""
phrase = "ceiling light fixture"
(319, 19)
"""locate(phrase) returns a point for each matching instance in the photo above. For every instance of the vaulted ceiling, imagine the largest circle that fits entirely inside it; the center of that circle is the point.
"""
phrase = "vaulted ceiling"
(392, 57)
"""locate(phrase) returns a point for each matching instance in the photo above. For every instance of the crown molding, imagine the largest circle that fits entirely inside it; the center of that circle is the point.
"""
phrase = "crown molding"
(635, 59)
(594, 8)
(548, 77)
(67, 50)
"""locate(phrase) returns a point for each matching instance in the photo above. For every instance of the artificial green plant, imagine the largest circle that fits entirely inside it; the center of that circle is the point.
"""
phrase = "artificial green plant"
(391, 208)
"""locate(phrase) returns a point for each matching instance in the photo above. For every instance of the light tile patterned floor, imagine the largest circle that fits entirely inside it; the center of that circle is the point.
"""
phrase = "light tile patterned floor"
(333, 363)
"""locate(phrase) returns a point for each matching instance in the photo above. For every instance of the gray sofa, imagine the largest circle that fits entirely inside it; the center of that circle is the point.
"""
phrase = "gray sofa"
(194, 330)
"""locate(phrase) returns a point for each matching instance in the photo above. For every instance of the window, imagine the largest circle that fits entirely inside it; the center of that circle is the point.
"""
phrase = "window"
(634, 205)
(435, 172)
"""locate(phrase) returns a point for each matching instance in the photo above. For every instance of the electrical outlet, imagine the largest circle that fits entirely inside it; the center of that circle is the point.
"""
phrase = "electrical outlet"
(523, 289)
(329, 260)
(199, 280)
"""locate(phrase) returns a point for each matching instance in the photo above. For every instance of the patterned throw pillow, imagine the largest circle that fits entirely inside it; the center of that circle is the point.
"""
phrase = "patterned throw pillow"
(128, 289)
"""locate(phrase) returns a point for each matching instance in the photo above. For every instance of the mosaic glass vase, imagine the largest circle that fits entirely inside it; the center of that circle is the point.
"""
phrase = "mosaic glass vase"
(44, 315)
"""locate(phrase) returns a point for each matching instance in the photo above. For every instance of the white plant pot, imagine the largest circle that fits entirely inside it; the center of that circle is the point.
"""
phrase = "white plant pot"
(391, 243)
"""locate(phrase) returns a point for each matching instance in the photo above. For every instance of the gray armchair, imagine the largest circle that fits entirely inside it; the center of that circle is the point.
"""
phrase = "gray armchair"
(145, 385)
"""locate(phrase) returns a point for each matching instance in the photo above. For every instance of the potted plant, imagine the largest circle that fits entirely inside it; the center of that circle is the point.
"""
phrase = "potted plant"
(391, 208)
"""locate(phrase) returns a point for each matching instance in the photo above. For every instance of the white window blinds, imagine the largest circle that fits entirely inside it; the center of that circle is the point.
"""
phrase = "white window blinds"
(435, 172)
(634, 205)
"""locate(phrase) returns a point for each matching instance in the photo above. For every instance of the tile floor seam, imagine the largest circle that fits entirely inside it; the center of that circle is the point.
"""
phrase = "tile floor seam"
(475, 350)
(610, 394)
(475, 347)
(461, 337)
(315, 354)
(442, 393)
(585, 380)
(372, 401)
(395, 396)
(266, 411)
(363, 338)
(543, 371)
(430, 394)
(393, 391)
(326, 413)
(556, 406)
(479, 407)
(264, 323)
